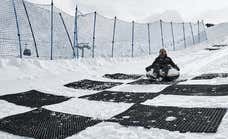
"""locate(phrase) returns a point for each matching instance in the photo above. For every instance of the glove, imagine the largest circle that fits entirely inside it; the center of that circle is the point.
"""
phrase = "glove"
(147, 69)
(178, 68)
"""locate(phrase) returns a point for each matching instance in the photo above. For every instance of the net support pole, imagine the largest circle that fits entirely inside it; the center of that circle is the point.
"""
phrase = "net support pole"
(76, 32)
(162, 36)
(94, 34)
(18, 28)
(31, 29)
(68, 35)
(132, 38)
(148, 29)
(173, 37)
(193, 38)
(185, 44)
(205, 32)
(198, 25)
(113, 36)
(52, 4)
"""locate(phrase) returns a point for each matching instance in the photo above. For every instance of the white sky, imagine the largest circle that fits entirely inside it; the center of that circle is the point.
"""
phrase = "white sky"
(139, 9)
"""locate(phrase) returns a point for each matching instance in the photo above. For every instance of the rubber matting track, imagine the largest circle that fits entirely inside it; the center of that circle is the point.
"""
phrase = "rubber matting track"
(121, 76)
(34, 99)
(211, 76)
(92, 85)
(45, 124)
(148, 82)
(126, 97)
(197, 90)
(212, 49)
(199, 120)
(220, 45)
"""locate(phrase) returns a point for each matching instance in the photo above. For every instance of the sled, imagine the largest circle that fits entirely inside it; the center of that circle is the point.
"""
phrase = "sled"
(173, 75)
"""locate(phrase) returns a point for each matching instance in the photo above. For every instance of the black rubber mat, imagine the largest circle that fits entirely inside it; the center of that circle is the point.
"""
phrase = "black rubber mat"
(92, 85)
(121, 76)
(211, 76)
(220, 45)
(34, 99)
(212, 49)
(200, 120)
(197, 90)
(150, 82)
(45, 124)
(126, 97)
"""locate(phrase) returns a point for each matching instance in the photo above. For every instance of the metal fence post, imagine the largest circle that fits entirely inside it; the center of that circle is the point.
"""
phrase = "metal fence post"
(76, 32)
(94, 33)
(199, 38)
(162, 37)
(52, 4)
(113, 36)
(18, 28)
(173, 37)
(148, 28)
(193, 38)
(31, 29)
(68, 35)
(185, 44)
(133, 37)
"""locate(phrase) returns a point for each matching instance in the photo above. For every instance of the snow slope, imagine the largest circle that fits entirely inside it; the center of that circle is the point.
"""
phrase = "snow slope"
(49, 76)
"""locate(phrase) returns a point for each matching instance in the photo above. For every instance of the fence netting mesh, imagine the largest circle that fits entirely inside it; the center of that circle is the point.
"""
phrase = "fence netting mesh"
(98, 36)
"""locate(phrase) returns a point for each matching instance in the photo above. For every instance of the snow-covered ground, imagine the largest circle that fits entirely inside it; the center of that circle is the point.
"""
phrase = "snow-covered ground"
(49, 76)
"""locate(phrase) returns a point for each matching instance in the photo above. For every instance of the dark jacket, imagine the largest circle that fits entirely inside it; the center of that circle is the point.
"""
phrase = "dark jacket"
(162, 62)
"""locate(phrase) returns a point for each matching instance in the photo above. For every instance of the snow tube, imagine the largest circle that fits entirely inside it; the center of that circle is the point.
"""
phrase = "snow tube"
(173, 74)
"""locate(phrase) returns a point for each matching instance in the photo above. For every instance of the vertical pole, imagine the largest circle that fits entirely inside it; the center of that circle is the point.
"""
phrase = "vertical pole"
(204, 28)
(133, 37)
(31, 29)
(52, 29)
(162, 37)
(76, 32)
(113, 36)
(185, 44)
(174, 45)
(148, 28)
(68, 35)
(94, 33)
(198, 24)
(18, 29)
(193, 39)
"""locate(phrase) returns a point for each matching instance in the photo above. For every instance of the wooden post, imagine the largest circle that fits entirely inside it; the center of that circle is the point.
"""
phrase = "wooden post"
(94, 33)
(185, 44)
(174, 45)
(76, 32)
(113, 36)
(52, 29)
(162, 37)
(198, 24)
(18, 28)
(133, 37)
(68, 35)
(148, 28)
(31, 29)
(193, 38)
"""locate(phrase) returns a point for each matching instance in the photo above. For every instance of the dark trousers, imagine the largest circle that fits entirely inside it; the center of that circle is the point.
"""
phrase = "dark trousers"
(164, 68)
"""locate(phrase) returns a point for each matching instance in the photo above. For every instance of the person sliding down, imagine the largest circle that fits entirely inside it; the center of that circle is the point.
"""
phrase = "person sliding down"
(163, 68)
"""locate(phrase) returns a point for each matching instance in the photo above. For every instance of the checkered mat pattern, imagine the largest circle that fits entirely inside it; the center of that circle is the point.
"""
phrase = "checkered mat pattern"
(31, 119)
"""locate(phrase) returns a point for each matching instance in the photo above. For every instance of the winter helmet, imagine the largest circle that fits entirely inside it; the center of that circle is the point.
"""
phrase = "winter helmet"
(162, 52)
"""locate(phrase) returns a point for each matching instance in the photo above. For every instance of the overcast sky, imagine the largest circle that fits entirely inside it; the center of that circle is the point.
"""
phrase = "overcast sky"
(139, 9)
